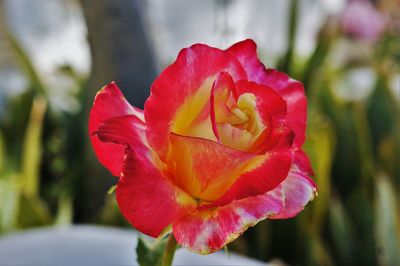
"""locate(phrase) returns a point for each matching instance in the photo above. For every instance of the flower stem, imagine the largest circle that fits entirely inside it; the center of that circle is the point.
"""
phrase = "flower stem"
(169, 251)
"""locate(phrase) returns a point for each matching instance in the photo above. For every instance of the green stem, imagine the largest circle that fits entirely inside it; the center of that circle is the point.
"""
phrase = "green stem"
(169, 251)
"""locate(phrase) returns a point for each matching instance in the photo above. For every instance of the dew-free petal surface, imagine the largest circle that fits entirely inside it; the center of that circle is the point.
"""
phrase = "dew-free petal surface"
(208, 230)
(109, 103)
(146, 198)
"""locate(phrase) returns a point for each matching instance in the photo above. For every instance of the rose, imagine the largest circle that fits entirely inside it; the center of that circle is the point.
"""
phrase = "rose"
(216, 149)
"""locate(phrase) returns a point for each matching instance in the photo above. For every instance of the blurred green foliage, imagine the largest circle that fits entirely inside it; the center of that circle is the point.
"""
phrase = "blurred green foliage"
(21, 205)
(354, 146)
(354, 149)
(23, 136)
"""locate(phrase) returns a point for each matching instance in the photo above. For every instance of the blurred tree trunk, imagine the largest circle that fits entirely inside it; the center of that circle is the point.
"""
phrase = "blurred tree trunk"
(121, 52)
(119, 46)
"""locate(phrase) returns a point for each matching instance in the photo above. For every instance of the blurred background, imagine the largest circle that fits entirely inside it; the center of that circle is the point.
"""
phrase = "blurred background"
(56, 54)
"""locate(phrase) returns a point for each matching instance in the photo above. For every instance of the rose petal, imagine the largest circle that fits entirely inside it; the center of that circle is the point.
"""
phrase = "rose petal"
(303, 163)
(203, 168)
(145, 197)
(228, 119)
(205, 124)
(206, 231)
(179, 94)
(124, 130)
(223, 97)
(272, 110)
(234, 137)
(292, 91)
(263, 173)
(109, 102)
(246, 52)
(298, 189)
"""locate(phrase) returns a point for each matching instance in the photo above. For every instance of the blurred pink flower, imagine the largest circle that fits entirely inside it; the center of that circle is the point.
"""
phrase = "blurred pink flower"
(361, 20)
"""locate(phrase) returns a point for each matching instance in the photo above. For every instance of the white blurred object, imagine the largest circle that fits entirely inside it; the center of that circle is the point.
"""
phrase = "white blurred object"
(12, 84)
(11, 78)
(311, 17)
(52, 32)
(175, 24)
(333, 7)
(62, 93)
(92, 245)
(357, 84)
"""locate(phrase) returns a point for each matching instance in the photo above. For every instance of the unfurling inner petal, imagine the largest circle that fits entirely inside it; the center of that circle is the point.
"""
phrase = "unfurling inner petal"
(236, 121)
(203, 168)
(243, 126)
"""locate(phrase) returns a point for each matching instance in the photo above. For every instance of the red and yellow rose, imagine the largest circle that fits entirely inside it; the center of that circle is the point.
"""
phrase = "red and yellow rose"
(216, 149)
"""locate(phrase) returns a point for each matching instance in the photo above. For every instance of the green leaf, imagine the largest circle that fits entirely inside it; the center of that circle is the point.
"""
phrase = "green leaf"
(364, 141)
(9, 202)
(285, 65)
(111, 190)
(33, 212)
(65, 210)
(319, 252)
(316, 64)
(314, 251)
(341, 232)
(32, 151)
(386, 227)
(227, 252)
(359, 208)
(2, 154)
(381, 111)
(320, 146)
(353, 157)
(150, 255)
(167, 230)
